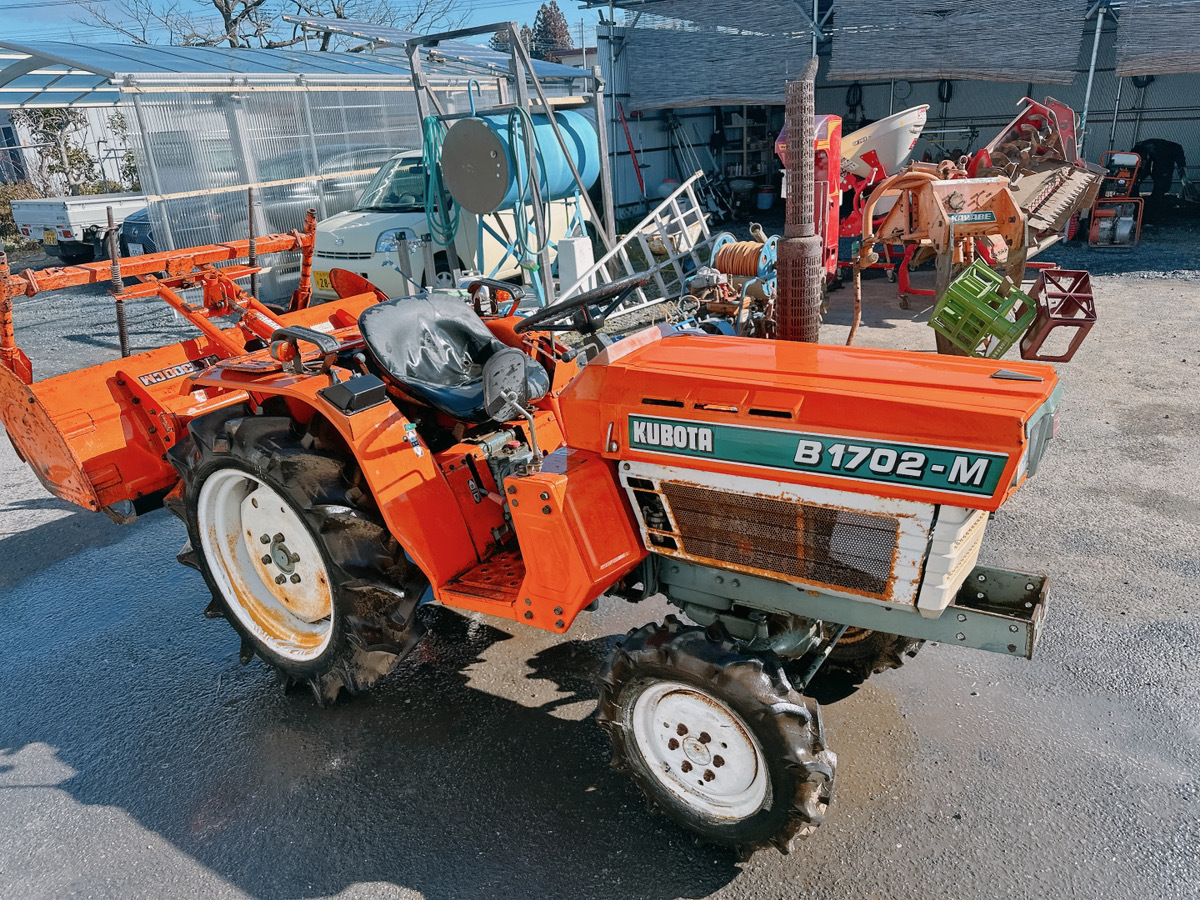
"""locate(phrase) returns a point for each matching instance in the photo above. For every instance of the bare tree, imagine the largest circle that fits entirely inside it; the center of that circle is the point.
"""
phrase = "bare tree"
(256, 23)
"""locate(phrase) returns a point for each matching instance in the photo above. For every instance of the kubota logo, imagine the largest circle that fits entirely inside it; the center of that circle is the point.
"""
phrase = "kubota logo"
(950, 469)
(685, 437)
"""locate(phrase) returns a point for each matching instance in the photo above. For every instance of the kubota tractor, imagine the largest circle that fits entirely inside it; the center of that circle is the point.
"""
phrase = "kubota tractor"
(796, 502)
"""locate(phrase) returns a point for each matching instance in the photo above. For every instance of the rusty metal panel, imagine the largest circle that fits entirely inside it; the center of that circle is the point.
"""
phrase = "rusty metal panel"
(843, 548)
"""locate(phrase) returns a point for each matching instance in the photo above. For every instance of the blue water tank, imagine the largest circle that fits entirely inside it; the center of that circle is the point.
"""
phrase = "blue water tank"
(479, 161)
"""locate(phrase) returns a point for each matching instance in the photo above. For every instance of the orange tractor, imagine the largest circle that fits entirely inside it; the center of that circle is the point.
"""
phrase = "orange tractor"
(798, 503)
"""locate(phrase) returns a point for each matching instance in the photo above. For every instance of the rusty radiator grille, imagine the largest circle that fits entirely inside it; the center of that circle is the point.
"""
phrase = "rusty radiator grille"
(841, 548)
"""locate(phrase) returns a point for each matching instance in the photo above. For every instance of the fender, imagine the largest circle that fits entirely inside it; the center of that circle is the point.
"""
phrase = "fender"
(437, 520)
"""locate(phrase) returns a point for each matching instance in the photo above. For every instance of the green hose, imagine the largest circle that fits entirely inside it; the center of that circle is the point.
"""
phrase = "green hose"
(441, 212)
(521, 128)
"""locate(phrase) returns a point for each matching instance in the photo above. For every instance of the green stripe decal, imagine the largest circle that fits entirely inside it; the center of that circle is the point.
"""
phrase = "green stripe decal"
(913, 465)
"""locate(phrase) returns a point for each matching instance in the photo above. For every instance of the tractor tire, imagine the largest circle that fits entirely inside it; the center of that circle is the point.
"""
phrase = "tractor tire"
(717, 739)
(297, 559)
(862, 653)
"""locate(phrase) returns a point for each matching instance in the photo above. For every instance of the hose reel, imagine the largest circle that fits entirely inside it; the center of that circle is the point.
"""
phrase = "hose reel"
(751, 264)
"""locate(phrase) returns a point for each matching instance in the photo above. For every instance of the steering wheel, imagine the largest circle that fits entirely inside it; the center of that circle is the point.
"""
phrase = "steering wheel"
(573, 314)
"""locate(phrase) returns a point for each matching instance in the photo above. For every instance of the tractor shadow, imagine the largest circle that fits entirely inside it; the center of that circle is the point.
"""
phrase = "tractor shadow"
(426, 782)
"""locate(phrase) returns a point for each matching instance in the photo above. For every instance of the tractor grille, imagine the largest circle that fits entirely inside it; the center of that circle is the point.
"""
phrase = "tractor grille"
(841, 548)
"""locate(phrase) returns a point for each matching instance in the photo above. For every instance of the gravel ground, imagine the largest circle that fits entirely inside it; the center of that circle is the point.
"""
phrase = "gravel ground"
(137, 758)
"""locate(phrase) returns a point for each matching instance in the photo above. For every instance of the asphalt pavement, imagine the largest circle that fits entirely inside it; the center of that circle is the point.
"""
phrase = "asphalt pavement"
(139, 759)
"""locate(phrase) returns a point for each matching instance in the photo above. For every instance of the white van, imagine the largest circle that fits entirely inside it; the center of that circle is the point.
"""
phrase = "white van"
(369, 238)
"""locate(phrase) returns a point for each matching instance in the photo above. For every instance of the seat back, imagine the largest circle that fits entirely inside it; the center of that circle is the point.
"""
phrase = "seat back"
(435, 347)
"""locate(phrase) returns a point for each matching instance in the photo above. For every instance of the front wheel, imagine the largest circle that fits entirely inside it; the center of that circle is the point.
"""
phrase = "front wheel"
(298, 564)
(863, 653)
(717, 739)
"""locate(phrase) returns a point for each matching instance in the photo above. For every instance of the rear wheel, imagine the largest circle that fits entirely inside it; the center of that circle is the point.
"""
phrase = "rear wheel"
(298, 564)
(717, 739)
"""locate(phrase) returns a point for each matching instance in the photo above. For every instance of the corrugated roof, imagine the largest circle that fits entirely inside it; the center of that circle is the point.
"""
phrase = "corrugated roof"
(480, 57)
(54, 73)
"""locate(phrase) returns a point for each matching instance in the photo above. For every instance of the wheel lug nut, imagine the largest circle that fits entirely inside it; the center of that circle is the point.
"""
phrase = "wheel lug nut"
(672, 744)
(266, 539)
(295, 579)
(709, 774)
(280, 579)
(685, 766)
(295, 557)
(278, 538)
(266, 559)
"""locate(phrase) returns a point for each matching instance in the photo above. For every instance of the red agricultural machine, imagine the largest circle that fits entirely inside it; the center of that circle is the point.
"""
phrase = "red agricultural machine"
(1116, 216)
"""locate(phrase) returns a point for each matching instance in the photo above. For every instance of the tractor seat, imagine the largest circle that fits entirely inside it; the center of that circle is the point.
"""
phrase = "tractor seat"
(435, 347)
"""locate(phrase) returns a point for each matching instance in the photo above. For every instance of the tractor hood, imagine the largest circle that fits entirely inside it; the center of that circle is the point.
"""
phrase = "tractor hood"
(936, 429)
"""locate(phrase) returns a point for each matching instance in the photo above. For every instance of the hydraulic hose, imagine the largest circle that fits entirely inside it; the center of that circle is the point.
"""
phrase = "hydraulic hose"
(521, 133)
(866, 255)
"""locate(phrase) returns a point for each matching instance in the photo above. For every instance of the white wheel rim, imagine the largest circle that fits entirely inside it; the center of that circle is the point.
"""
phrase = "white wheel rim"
(278, 589)
(700, 750)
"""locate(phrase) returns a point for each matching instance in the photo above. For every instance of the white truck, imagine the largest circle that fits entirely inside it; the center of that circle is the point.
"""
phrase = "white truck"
(72, 228)
(389, 220)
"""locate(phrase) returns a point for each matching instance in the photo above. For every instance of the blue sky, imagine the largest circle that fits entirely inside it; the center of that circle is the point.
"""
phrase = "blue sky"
(57, 20)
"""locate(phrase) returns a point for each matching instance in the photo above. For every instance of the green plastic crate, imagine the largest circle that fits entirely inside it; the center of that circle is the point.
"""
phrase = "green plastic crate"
(975, 318)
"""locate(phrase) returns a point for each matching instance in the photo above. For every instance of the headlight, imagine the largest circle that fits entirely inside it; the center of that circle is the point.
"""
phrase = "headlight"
(1039, 430)
(389, 241)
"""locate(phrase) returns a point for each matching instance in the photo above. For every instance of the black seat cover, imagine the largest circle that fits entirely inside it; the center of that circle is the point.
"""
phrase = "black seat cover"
(436, 346)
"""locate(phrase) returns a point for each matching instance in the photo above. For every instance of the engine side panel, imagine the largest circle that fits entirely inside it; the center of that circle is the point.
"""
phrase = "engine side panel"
(851, 545)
